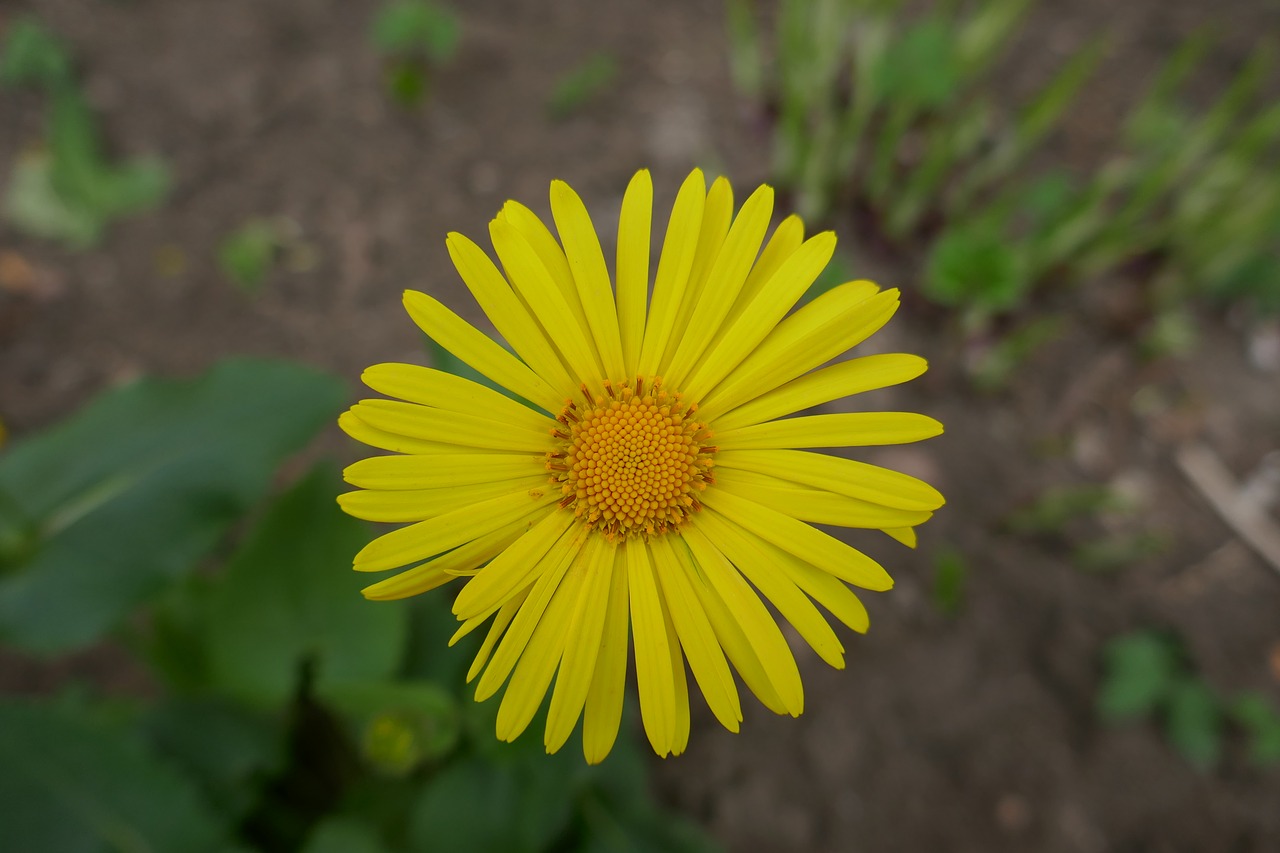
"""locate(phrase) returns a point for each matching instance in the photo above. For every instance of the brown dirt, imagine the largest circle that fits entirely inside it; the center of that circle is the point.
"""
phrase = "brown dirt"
(973, 733)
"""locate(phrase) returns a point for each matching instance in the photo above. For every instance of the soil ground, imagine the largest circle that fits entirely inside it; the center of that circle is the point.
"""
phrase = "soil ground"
(967, 733)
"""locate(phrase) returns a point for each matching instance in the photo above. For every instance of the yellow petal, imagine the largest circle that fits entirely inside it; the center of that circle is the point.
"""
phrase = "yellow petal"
(507, 313)
(822, 386)
(473, 347)
(829, 325)
(441, 471)
(796, 537)
(724, 283)
(546, 573)
(847, 429)
(582, 643)
(826, 589)
(786, 239)
(678, 249)
(586, 261)
(420, 504)
(762, 315)
(538, 662)
(515, 567)
(905, 535)
(697, 637)
(383, 440)
(501, 621)
(437, 535)
(609, 682)
(680, 726)
(817, 506)
(461, 560)
(772, 580)
(527, 272)
(535, 231)
(450, 427)
(431, 387)
(654, 679)
(634, 224)
(746, 608)
(837, 474)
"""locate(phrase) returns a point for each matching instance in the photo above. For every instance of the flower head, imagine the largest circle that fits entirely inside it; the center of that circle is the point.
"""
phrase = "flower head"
(654, 493)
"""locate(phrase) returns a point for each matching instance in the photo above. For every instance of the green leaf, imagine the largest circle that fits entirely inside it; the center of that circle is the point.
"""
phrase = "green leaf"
(416, 28)
(72, 784)
(949, 575)
(1260, 720)
(248, 253)
(467, 808)
(32, 54)
(228, 748)
(400, 725)
(1141, 669)
(343, 835)
(1058, 506)
(923, 69)
(290, 598)
(34, 207)
(582, 84)
(974, 267)
(1194, 722)
(131, 492)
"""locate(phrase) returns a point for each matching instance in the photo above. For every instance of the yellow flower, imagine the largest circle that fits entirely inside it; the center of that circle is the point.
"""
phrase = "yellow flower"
(654, 482)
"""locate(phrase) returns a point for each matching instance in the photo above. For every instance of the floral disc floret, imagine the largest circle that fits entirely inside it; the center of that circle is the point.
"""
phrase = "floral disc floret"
(632, 459)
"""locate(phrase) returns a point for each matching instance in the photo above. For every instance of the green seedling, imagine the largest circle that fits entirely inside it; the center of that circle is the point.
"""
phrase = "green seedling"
(1261, 723)
(950, 576)
(1140, 671)
(1112, 553)
(68, 190)
(974, 266)
(581, 85)
(247, 255)
(1054, 509)
(414, 37)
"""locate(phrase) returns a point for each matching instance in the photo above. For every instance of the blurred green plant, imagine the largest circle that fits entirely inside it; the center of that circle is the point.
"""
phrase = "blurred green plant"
(247, 254)
(289, 713)
(1146, 675)
(68, 190)
(415, 38)
(950, 577)
(581, 85)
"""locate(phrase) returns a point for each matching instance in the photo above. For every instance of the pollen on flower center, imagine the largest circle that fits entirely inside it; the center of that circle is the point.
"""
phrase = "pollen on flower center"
(632, 460)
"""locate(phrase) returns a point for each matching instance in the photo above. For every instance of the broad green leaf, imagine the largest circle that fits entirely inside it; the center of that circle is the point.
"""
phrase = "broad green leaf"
(343, 835)
(468, 807)
(290, 599)
(974, 267)
(1261, 721)
(228, 749)
(1194, 722)
(132, 491)
(1141, 669)
(75, 785)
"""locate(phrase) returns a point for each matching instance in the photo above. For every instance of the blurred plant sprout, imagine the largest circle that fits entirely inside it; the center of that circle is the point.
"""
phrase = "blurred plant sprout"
(68, 190)
(414, 37)
(1146, 674)
(288, 713)
(581, 85)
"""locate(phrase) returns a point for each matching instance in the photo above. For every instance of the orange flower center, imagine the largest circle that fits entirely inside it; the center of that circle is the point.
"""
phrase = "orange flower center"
(632, 459)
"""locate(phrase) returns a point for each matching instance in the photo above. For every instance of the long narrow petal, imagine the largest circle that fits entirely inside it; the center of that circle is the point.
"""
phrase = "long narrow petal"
(796, 537)
(697, 637)
(463, 560)
(405, 505)
(818, 506)
(535, 231)
(680, 725)
(542, 654)
(586, 261)
(501, 621)
(654, 679)
(745, 606)
(846, 429)
(761, 316)
(603, 712)
(759, 567)
(527, 272)
(837, 474)
(582, 643)
(431, 387)
(678, 249)
(450, 427)
(509, 316)
(513, 568)
(442, 470)
(905, 535)
(546, 573)
(437, 535)
(383, 440)
(822, 386)
(724, 283)
(634, 224)
(717, 214)
(786, 239)
(828, 326)
(473, 347)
